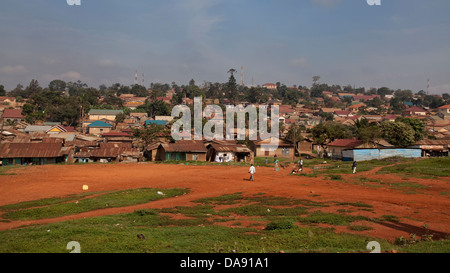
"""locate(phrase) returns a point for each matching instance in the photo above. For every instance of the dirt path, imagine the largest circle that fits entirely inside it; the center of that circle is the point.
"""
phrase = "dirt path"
(428, 207)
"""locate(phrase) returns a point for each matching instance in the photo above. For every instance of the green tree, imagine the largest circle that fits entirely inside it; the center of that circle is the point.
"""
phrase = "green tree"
(2, 91)
(367, 131)
(150, 134)
(32, 89)
(397, 133)
(326, 132)
(57, 85)
(417, 125)
(231, 87)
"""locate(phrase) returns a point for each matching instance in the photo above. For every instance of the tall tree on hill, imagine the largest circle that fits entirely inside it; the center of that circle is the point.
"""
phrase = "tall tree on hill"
(231, 87)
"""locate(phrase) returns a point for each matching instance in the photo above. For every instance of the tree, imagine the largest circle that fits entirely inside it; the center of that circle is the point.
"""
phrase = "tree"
(155, 108)
(32, 89)
(416, 124)
(367, 131)
(327, 116)
(57, 85)
(397, 133)
(150, 134)
(231, 87)
(315, 80)
(326, 132)
(2, 91)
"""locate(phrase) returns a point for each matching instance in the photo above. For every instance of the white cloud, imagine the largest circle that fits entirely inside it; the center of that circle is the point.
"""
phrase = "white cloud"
(68, 76)
(13, 70)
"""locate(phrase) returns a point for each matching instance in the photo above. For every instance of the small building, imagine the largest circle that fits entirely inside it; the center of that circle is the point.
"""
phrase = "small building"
(370, 154)
(184, 150)
(414, 111)
(337, 147)
(228, 151)
(33, 153)
(433, 147)
(99, 127)
(13, 115)
(100, 114)
(271, 147)
(117, 137)
(157, 122)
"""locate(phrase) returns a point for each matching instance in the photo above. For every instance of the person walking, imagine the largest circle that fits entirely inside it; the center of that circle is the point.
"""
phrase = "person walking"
(252, 170)
(354, 166)
(276, 165)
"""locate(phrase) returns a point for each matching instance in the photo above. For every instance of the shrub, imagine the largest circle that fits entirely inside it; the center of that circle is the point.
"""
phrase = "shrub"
(279, 224)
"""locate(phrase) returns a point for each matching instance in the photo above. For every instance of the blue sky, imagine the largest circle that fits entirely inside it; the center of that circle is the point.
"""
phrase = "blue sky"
(398, 44)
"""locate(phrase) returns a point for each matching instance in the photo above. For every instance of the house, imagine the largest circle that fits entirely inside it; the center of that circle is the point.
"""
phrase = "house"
(338, 146)
(60, 129)
(13, 115)
(99, 127)
(270, 86)
(414, 111)
(357, 150)
(37, 128)
(228, 151)
(102, 114)
(444, 111)
(355, 107)
(269, 147)
(157, 122)
(115, 152)
(117, 137)
(371, 154)
(33, 153)
(343, 113)
(184, 150)
(305, 147)
(433, 148)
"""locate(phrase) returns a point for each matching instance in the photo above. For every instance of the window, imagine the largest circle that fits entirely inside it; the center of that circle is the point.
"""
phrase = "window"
(285, 151)
(194, 156)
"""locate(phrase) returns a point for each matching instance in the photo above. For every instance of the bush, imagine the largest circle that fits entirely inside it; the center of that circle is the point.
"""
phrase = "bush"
(280, 224)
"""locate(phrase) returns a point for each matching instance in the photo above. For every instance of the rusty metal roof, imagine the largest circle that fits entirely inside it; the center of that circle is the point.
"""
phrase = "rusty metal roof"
(235, 148)
(31, 150)
(185, 146)
(433, 142)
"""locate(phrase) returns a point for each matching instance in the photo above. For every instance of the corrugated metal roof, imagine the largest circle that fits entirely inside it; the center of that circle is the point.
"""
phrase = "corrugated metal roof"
(104, 112)
(235, 148)
(185, 146)
(31, 150)
(433, 142)
(346, 143)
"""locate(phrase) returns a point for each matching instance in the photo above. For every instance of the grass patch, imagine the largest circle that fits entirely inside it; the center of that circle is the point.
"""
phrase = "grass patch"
(198, 233)
(434, 167)
(330, 218)
(60, 207)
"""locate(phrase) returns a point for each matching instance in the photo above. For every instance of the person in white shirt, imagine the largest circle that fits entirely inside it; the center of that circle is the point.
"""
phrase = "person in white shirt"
(252, 170)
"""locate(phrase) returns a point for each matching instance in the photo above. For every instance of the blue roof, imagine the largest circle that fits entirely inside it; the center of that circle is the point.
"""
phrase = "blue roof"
(99, 123)
(157, 122)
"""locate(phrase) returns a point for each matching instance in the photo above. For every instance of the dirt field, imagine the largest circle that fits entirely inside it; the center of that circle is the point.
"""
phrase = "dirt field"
(428, 207)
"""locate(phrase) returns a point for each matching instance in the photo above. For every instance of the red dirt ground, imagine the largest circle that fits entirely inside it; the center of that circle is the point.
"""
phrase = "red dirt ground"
(429, 207)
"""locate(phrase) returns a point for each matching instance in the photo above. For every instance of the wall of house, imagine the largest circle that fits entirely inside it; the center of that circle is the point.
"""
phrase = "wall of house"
(280, 152)
(99, 131)
(100, 117)
(369, 154)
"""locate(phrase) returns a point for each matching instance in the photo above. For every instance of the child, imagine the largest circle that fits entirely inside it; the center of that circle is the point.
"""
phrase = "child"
(354, 166)
(252, 170)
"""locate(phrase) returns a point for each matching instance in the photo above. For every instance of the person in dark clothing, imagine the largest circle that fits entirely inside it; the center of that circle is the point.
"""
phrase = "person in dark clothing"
(354, 166)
